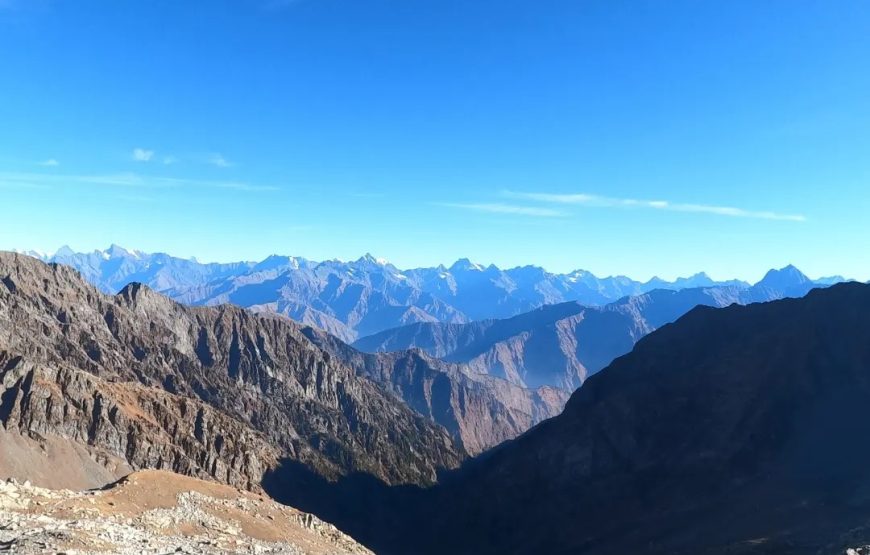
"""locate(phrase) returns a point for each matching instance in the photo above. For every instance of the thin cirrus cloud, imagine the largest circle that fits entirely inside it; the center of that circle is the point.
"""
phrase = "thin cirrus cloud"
(148, 155)
(142, 155)
(582, 199)
(122, 180)
(50, 163)
(501, 208)
(218, 160)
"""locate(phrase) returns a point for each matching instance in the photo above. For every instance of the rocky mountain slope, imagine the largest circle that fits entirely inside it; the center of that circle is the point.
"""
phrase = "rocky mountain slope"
(480, 411)
(138, 379)
(362, 297)
(206, 354)
(734, 430)
(156, 512)
(561, 345)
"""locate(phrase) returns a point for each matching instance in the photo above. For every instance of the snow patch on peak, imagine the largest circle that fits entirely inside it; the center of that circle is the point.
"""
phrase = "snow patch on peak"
(577, 275)
(368, 258)
(464, 264)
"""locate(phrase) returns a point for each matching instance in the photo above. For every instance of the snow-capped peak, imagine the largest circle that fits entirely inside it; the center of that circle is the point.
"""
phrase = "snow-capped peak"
(577, 275)
(464, 264)
(117, 251)
(368, 258)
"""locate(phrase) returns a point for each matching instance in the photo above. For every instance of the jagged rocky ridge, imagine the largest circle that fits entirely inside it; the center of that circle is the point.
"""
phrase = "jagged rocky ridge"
(734, 430)
(210, 392)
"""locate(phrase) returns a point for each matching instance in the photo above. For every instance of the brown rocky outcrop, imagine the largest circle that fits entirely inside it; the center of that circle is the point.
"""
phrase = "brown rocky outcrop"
(144, 426)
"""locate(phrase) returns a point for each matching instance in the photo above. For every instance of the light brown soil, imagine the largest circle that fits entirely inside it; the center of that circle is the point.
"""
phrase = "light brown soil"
(157, 512)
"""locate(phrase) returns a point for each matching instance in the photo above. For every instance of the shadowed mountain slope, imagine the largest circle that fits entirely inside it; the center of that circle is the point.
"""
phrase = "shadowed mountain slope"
(758, 406)
(733, 430)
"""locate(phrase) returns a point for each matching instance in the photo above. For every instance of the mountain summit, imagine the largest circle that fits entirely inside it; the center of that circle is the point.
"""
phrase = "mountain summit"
(785, 279)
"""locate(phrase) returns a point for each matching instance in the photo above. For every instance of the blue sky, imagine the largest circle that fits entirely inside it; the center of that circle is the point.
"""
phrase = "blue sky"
(641, 138)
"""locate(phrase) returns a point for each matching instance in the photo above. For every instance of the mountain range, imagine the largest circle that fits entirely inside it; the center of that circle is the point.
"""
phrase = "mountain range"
(355, 299)
(563, 344)
(542, 354)
(302, 390)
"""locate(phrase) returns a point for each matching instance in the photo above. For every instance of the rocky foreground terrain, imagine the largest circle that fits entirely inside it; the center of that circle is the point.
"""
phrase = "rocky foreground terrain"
(154, 512)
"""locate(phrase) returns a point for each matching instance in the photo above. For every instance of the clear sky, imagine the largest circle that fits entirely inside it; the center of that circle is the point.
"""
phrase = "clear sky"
(640, 138)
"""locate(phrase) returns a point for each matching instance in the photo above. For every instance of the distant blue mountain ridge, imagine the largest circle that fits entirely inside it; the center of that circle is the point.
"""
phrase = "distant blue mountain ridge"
(369, 295)
(561, 345)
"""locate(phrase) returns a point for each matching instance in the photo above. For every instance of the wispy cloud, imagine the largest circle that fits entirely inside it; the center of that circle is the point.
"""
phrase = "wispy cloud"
(612, 202)
(142, 155)
(169, 160)
(500, 208)
(218, 160)
(50, 163)
(19, 184)
(123, 180)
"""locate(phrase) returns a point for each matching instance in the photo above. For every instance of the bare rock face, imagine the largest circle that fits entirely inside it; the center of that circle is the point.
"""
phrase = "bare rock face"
(209, 392)
(480, 411)
(146, 426)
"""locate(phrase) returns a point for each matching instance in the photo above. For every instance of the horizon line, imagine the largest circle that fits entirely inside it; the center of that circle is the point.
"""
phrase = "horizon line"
(46, 257)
